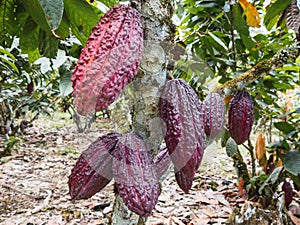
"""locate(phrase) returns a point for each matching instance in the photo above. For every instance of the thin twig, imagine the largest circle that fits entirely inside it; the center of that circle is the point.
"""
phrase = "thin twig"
(258, 71)
(35, 197)
(232, 34)
(251, 148)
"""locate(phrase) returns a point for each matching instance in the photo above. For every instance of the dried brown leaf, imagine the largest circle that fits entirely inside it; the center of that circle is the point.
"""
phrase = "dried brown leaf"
(260, 147)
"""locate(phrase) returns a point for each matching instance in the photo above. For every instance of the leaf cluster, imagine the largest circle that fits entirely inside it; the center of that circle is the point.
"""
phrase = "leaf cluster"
(220, 34)
(42, 24)
(40, 41)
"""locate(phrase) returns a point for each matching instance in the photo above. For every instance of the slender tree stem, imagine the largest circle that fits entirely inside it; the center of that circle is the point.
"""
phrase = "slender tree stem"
(232, 35)
(251, 150)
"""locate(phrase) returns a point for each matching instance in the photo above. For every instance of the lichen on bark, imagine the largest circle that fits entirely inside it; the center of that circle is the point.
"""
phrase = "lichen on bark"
(257, 72)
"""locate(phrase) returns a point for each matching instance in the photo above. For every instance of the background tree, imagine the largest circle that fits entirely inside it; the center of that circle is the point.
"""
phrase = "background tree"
(265, 61)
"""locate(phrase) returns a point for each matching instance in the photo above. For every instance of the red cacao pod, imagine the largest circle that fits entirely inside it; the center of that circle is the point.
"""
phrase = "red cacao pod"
(181, 112)
(93, 169)
(162, 161)
(184, 182)
(213, 114)
(135, 174)
(109, 61)
(240, 116)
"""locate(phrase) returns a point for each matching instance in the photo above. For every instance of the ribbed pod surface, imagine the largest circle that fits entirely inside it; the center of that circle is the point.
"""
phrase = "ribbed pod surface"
(109, 61)
(240, 116)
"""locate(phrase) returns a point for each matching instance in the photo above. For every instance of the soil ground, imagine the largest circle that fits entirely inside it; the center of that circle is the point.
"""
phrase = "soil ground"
(34, 189)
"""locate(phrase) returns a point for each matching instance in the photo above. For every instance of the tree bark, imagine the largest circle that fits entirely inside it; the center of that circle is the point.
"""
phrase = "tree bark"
(148, 86)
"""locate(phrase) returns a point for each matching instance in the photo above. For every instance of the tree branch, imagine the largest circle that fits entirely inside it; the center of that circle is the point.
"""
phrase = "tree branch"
(261, 69)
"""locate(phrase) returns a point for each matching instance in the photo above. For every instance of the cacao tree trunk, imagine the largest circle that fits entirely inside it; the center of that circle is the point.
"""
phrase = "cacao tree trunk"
(148, 86)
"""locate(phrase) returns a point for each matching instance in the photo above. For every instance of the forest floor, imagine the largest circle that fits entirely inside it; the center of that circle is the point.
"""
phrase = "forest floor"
(34, 189)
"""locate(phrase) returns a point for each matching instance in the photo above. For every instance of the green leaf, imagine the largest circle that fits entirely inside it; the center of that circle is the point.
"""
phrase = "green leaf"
(53, 11)
(206, 40)
(271, 179)
(33, 55)
(231, 147)
(218, 41)
(242, 27)
(29, 39)
(239, 22)
(36, 12)
(292, 162)
(29, 36)
(79, 35)
(248, 42)
(8, 64)
(273, 12)
(48, 44)
(5, 52)
(65, 85)
(201, 69)
(82, 16)
(225, 138)
(289, 68)
(283, 86)
(7, 17)
(280, 145)
(285, 127)
(63, 29)
(296, 180)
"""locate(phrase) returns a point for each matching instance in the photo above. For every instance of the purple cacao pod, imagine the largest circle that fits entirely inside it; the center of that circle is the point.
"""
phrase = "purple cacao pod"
(213, 114)
(184, 182)
(240, 116)
(162, 161)
(109, 61)
(93, 169)
(135, 174)
(288, 193)
(30, 88)
(182, 114)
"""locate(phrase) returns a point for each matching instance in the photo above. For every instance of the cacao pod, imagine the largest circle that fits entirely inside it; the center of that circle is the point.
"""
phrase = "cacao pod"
(162, 161)
(240, 116)
(213, 114)
(93, 169)
(30, 88)
(135, 174)
(184, 182)
(182, 113)
(288, 193)
(109, 61)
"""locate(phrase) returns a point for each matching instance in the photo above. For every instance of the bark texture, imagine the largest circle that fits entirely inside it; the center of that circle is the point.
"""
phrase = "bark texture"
(148, 85)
